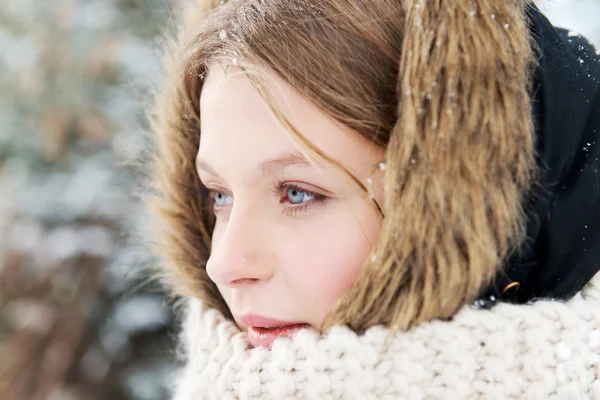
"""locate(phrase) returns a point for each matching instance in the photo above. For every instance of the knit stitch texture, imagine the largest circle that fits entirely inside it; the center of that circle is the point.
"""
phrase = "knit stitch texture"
(546, 350)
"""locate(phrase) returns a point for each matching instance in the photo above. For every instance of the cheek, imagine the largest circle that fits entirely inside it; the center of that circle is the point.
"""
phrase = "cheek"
(329, 263)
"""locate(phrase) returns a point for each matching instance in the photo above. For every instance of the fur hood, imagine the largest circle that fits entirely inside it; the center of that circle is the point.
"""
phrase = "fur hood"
(530, 109)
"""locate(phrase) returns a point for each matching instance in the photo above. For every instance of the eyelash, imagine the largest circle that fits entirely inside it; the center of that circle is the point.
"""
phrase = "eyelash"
(280, 189)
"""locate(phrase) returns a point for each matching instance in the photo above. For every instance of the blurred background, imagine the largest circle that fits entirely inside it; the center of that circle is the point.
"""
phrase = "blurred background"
(74, 324)
(75, 320)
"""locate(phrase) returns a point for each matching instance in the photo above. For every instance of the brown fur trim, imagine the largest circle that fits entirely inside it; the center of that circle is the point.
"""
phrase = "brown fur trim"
(460, 159)
(175, 201)
(465, 138)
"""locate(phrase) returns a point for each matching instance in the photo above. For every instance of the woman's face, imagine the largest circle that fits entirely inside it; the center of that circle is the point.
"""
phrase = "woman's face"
(291, 235)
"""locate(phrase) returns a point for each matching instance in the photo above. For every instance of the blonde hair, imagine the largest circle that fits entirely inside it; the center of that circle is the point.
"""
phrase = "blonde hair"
(443, 86)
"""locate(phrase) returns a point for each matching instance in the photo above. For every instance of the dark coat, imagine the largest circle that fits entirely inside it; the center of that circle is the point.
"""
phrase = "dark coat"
(562, 252)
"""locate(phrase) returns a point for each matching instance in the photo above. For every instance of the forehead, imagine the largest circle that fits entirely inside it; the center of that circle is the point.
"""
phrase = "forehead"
(235, 119)
(236, 123)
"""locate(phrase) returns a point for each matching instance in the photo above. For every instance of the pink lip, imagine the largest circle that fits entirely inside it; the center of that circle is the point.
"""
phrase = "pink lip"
(263, 331)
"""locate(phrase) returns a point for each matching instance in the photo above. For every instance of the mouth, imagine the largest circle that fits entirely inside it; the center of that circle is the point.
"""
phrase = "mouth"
(262, 331)
(264, 337)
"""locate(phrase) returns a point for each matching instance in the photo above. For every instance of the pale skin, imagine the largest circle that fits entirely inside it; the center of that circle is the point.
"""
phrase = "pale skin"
(291, 234)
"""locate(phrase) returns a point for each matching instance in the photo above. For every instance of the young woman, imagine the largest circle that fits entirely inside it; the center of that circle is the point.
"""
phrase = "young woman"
(344, 189)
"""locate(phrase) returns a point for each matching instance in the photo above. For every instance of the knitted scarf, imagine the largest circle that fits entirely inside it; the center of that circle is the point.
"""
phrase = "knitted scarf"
(545, 350)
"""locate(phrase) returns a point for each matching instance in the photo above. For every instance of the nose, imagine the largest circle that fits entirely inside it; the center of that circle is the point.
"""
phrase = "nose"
(241, 250)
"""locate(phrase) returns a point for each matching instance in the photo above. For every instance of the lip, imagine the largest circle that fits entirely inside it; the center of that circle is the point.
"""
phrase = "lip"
(263, 331)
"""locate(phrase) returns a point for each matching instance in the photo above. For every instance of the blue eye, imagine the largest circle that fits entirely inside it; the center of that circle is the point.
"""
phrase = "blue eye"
(296, 196)
(221, 199)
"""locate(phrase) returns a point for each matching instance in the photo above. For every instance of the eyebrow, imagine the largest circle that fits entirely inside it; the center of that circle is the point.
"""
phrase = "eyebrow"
(267, 167)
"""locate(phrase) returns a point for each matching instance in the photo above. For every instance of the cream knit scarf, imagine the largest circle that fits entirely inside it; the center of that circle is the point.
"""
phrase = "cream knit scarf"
(546, 350)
